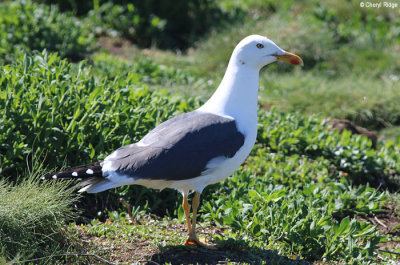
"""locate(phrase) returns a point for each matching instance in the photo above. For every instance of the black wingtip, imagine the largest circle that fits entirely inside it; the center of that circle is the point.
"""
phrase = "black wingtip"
(81, 172)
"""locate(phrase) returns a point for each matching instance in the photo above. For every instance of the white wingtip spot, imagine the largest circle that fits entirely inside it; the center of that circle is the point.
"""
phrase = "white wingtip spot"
(43, 178)
(75, 174)
(54, 176)
(89, 171)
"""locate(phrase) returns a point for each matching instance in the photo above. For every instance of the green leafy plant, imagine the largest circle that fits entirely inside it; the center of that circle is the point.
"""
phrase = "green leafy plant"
(147, 70)
(152, 23)
(297, 221)
(127, 21)
(290, 134)
(72, 116)
(28, 26)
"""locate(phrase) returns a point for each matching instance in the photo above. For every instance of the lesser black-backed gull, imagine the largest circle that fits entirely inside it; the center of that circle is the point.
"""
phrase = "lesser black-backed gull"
(195, 149)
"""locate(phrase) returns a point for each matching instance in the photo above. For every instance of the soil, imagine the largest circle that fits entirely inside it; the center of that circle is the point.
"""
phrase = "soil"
(115, 46)
(388, 223)
(136, 251)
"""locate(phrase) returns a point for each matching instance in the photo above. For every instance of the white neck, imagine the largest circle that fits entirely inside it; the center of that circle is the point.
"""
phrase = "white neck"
(237, 95)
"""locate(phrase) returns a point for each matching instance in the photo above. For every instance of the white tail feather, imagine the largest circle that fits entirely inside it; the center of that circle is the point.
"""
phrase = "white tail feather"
(99, 186)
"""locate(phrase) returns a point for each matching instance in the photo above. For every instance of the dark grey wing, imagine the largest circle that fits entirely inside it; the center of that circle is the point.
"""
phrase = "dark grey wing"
(179, 148)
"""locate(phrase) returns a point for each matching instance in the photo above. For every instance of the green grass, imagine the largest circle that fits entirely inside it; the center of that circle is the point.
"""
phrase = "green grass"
(32, 217)
(365, 100)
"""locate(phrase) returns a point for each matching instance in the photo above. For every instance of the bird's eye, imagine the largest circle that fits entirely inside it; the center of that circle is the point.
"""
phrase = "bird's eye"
(260, 46)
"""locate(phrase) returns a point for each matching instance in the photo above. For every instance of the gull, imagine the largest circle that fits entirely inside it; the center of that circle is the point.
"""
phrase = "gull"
(194, 149)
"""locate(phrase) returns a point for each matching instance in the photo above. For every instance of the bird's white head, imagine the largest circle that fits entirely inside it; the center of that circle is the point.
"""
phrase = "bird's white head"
(237, 93)
(258, 51)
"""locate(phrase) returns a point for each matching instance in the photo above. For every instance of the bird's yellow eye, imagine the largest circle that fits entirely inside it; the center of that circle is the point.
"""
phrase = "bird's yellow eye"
(260, 46)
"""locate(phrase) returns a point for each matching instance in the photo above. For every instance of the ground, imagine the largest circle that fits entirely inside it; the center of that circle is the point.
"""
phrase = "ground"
(154, 240)
(388, 223)
(162, 241)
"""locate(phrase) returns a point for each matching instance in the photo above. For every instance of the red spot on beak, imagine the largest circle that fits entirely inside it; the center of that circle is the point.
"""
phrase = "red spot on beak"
(290, 58)
(294, 62)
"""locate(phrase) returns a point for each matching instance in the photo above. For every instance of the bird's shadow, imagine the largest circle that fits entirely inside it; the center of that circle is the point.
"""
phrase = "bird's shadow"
(230, 250)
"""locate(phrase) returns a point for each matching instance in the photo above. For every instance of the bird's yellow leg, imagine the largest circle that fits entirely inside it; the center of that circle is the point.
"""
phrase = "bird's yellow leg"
(186, 209)
(193, 240)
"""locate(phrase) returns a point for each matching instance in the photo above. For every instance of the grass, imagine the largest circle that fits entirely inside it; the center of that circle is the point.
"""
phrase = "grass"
(32, 217)
(365, 100)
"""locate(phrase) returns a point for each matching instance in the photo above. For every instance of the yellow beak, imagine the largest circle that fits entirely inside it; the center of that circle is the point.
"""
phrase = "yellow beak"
(290, 58)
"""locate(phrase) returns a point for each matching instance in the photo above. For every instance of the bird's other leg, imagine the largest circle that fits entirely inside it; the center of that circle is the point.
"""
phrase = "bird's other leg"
(195, 206)
(193, 240)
